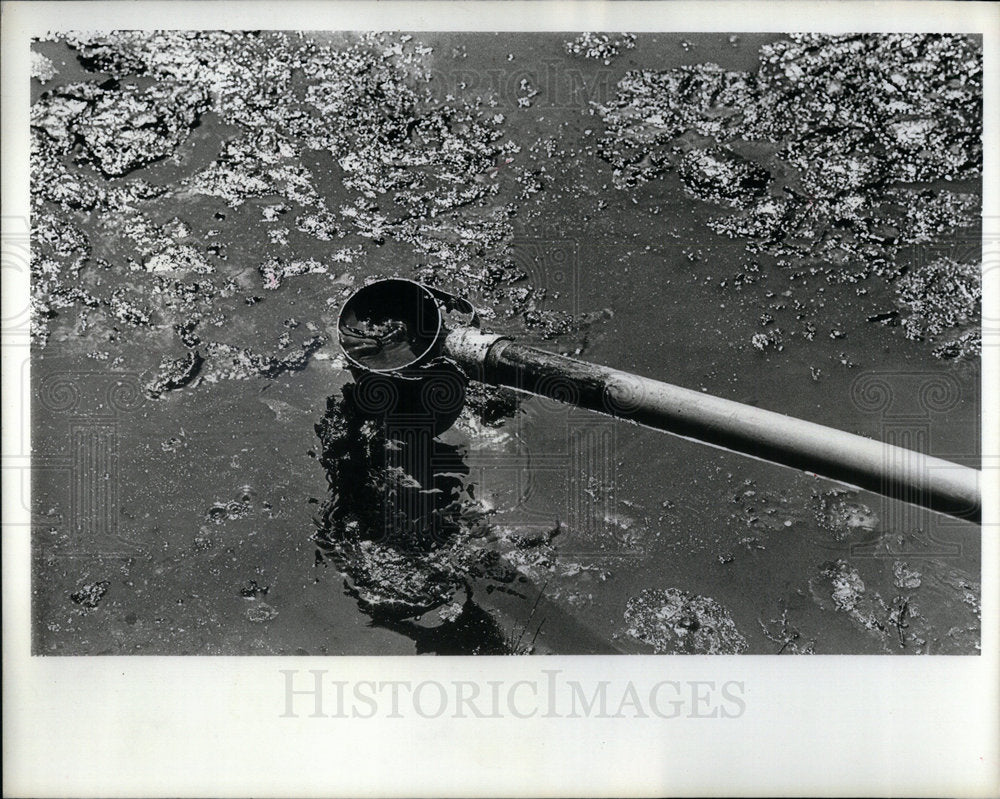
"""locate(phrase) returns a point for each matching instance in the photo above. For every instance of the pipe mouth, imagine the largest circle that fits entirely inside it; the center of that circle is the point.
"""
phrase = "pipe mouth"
(390, 325)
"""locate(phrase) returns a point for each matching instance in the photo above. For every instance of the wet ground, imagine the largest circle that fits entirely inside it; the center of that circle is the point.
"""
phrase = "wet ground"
(795, 228)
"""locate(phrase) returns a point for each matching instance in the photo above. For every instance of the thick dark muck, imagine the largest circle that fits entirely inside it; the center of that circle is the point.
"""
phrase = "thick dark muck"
(787, 221)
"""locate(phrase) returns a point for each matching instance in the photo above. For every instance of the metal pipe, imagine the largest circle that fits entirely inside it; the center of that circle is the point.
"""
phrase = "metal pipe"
(863, 462)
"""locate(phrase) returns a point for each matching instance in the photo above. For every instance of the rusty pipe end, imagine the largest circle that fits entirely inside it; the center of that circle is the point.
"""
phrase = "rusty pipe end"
(469, 347)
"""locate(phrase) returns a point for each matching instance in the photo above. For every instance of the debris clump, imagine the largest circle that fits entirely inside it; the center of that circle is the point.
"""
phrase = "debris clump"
(42, 69)
(905, 577)
(847, 519)
(601, 46)
(174, 373)
(829, 153)
(943, 296)
(719, 175)
(242, 363)
(909, 101)
(846, 590)
(124, 128)
(675, 622)
(407, 167)
(920, 614)
(274, 271)
(91, 594)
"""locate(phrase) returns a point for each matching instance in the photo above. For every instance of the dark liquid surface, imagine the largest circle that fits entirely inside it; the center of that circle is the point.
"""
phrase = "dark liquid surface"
(382, 344)
(213, 486)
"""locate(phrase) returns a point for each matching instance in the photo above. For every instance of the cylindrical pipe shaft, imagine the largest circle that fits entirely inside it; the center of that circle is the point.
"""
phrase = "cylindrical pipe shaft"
(863, 462)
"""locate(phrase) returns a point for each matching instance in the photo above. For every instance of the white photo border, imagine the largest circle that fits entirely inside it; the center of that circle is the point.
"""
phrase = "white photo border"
(196, 726)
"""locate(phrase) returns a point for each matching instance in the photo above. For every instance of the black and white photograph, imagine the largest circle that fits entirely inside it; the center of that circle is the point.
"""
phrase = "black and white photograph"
(394, 341)
(364, 343)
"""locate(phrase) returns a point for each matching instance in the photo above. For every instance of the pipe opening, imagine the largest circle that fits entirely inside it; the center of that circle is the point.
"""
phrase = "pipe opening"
(389, 325)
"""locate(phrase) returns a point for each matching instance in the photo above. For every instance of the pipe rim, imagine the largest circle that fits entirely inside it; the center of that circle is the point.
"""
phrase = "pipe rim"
(422, 294)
